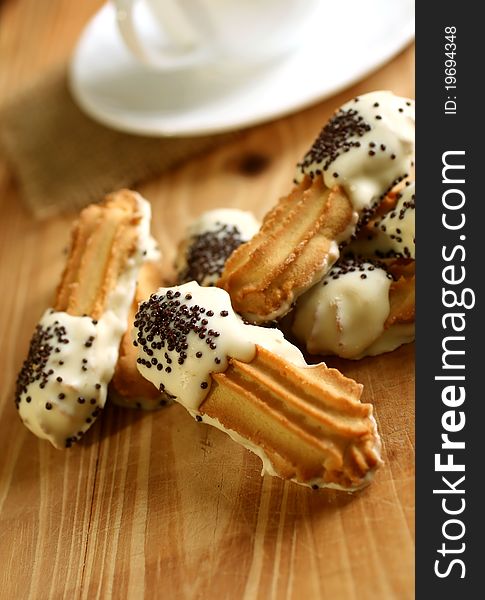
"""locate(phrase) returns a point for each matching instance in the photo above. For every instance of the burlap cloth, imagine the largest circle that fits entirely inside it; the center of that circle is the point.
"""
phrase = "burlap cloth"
(63, 160)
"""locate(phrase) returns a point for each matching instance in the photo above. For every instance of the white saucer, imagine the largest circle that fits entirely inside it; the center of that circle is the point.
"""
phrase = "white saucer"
(349, 41)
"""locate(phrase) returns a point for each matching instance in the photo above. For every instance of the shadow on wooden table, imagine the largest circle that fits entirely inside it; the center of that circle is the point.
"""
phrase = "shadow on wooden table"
(190, 510)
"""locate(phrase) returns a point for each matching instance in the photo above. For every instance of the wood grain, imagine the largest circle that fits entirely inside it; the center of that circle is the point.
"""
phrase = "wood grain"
(156, 505)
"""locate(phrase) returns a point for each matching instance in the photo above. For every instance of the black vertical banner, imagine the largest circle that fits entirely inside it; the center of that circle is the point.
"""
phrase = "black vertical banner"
(450, 396)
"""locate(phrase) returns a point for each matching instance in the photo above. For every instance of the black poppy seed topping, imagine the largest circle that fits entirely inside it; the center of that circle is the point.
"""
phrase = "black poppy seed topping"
(352, 265)
(168, 322)
(393, 183)
(380, 224)
(338, 136)
(43, 343)
(365, 216)
(198, 418)
(207, 253)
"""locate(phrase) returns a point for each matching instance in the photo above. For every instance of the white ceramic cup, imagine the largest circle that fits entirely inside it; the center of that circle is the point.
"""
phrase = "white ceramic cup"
(175, 34)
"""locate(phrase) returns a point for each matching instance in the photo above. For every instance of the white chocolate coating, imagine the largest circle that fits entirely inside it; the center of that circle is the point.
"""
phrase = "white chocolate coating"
(185, 372)
(209, 241)
(345, 313)
(64, 409)
(366, 147)
(393, 234)
(74, 357)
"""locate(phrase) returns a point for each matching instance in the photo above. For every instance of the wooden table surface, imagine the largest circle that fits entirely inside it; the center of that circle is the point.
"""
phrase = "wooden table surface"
(155, 505)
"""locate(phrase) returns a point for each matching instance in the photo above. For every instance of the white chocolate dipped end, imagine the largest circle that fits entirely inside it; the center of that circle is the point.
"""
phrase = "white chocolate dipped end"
(306, 423)
(209, 241)
(62, 386)
(180, 360)
(392, 234)
(346, 314)
(366, 148)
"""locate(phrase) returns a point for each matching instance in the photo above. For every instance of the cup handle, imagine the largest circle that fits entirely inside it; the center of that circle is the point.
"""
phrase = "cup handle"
(182, 35)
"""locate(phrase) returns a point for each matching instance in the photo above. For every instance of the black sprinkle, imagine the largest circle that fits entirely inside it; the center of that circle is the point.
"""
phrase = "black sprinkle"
(207, 253)
(338, 136)
(350, 265)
